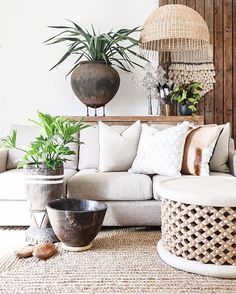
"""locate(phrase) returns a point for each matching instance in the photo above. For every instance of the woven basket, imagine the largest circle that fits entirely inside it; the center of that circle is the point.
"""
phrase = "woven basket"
(202, 233)
(175, 28)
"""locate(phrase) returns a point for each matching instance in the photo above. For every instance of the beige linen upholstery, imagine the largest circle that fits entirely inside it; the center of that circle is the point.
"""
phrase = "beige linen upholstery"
(157, 180)
(110, 186)
(3, 160)
(232, 162)
(25, 135)
(133, 213)
(89, 150)
(12, 184)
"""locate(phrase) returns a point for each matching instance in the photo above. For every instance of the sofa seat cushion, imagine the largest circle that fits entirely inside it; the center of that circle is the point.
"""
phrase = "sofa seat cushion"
(95, 185)
(12, 184)
(158, 179)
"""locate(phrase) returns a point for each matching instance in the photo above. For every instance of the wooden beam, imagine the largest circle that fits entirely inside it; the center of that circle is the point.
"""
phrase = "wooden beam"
(209, 97)
(228, 68)
(234, 71)
(219, 61)
(200, 8)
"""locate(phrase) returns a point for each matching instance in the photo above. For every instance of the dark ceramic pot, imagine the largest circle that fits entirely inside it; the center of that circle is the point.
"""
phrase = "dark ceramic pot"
(95, 83)
(184, 110)
(76, 222)
(42, 185)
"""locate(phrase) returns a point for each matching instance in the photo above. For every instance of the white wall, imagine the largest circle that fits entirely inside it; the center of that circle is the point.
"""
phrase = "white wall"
(26, 85)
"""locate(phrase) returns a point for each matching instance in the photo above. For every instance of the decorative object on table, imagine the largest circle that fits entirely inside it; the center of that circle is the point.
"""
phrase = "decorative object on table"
(156, 87)
(95, 82)
(76, 222)
(149, 82)
(164, 91)
(179, 35)
(43, 168)
(198, 225)
(164, 87)
(188, 96)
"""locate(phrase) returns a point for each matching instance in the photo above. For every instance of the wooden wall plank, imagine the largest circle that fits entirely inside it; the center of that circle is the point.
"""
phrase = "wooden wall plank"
(191, 3)
(234, 71)
(228, 68)
(219, 61)
(183, 2)
(209, 97)
(200, 8)
(163, 2)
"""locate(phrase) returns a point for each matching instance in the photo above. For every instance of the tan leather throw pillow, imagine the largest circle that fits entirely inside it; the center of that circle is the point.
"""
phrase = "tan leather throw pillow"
(199, 146)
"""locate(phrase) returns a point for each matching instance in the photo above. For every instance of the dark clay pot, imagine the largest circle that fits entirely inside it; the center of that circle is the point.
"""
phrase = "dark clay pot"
(42, 185)
(76, 222)
(95, 83)
(184, 110)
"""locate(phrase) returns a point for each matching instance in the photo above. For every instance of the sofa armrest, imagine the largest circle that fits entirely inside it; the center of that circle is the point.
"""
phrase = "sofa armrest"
(3, 160)
(232, 161)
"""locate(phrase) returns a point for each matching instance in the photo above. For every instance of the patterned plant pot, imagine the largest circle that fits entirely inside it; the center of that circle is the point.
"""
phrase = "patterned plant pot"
(42, 185)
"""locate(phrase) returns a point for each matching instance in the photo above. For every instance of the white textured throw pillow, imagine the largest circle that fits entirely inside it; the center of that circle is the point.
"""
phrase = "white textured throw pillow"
(117, 150)
(160, 152)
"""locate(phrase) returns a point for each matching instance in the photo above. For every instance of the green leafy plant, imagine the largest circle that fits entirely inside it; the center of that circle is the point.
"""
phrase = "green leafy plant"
(188, 94)
(112, 48)
(50, 148)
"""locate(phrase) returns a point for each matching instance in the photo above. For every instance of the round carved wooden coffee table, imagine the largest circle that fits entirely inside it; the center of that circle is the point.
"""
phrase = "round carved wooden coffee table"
(199, 225)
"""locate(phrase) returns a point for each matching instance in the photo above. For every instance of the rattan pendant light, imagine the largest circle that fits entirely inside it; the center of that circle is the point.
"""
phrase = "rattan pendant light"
(178, 34)
(175, 27)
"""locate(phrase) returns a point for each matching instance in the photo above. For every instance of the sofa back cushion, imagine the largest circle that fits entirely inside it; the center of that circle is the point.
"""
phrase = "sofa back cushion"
(219, 160)
(118, 150)
(89, 151)
(25, 135)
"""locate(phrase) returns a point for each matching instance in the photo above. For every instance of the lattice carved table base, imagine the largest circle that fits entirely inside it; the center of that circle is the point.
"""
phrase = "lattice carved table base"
(205, 234)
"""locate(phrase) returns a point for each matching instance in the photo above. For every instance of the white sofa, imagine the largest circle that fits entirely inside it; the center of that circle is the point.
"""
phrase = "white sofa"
(132, 199)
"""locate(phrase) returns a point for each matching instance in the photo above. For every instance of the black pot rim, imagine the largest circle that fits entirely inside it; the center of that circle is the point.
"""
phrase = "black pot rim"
(95, 61)
(48, 206)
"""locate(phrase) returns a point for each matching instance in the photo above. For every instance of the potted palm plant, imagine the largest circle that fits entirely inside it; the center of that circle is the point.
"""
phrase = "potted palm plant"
(188, 96)
(43, 167)
(94, 81)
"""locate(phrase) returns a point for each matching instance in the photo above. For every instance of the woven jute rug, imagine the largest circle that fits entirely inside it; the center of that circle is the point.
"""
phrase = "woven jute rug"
(120, 261)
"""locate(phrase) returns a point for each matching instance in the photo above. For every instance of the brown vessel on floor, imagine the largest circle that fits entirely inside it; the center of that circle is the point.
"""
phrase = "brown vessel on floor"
(76, 222)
